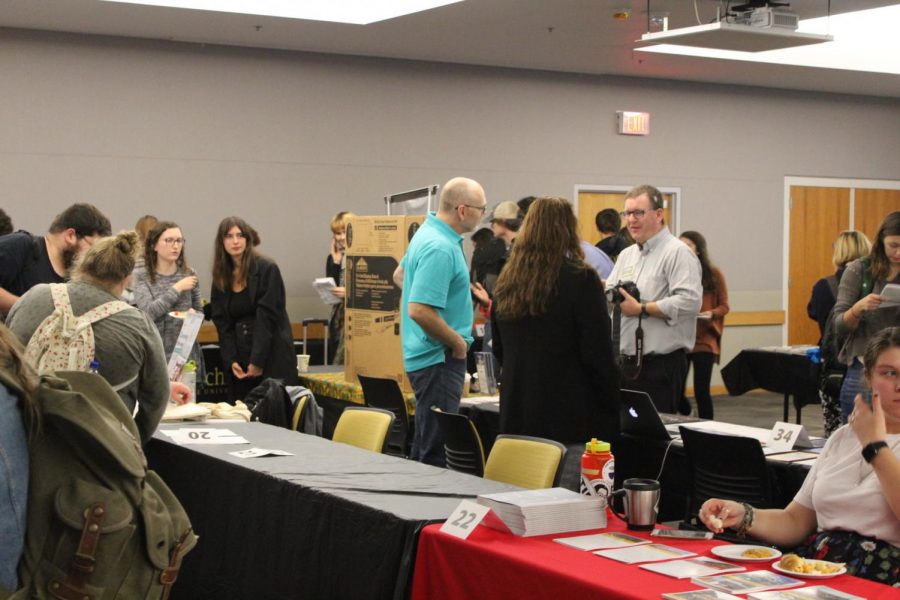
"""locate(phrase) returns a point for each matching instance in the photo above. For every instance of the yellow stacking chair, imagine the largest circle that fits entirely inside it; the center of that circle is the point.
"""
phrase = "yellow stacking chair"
(297, 417)
(364, 427)
(528, 462)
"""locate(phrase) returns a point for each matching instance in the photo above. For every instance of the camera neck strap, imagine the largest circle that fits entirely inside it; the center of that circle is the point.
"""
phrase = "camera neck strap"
(631, 366)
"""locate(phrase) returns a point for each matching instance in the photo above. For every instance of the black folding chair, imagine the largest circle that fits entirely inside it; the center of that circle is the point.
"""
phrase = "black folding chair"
(462, 444)
(727, 467)
(386, 394)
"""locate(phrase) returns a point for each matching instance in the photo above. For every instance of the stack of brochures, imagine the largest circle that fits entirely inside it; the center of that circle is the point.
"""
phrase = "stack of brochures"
(542, 512)
(747, 583)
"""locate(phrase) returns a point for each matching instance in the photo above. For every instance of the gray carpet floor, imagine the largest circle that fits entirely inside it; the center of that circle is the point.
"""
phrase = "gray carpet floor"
(762, 409)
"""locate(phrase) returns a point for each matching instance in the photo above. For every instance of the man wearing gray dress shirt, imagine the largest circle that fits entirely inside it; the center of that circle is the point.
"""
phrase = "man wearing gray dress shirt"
(667, 274)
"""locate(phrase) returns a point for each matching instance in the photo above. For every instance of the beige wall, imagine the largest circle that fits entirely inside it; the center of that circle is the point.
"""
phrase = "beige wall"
(285, 140)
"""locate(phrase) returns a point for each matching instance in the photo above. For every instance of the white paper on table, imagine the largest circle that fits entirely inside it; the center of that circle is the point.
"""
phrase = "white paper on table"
(645, 553)
(203, 435)
(793, 456)
(257, 452)
(471, 400)
(601, 541)
(756, 433)
(324, 287)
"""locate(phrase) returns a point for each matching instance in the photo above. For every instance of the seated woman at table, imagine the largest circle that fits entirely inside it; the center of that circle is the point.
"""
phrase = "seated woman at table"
(551, 334)
(248, 309)
(848, 509)
(126, 343)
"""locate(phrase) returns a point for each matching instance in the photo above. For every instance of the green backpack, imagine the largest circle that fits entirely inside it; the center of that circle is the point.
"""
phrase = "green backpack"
(100, 525)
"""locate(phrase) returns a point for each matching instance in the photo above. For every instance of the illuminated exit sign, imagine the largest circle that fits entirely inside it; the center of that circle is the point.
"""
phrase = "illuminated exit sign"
(633, 123)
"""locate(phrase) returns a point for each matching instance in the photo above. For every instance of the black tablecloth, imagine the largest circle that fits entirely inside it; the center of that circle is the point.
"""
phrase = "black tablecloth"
(332, 521)
(793, 375)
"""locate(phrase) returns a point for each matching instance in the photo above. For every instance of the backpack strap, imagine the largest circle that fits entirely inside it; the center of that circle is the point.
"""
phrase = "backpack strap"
(107, 309)
(170, 573)
(867, 284)
(74, 586)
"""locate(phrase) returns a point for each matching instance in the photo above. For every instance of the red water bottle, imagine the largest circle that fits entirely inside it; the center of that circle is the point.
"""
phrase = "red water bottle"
(597, 470)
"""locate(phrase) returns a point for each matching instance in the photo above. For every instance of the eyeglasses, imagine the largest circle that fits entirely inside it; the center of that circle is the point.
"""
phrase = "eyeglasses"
(174, 241)
(234, 236)
(637, 214)
(472, 206)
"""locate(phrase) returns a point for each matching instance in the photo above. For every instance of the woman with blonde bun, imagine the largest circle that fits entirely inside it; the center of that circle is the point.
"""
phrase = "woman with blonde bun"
(126, 344)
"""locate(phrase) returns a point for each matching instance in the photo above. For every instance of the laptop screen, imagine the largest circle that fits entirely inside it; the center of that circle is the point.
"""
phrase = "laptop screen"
(638, 417)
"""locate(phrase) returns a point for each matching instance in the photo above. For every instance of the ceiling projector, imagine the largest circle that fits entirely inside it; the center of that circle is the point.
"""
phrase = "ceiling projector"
(769, 16)
(755, 26)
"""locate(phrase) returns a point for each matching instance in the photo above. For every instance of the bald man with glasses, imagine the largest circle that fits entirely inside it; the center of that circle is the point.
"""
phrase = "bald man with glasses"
(667, 274)
(436, 311)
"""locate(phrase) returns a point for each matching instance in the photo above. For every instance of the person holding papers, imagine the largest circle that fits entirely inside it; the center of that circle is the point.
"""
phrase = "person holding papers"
(552, 335)
(334, 268)
(165, 287)
(248, 309)
(848, 509)
(858, 312)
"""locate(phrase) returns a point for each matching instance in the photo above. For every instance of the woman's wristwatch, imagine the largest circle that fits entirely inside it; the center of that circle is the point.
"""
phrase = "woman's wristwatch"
(869, 451)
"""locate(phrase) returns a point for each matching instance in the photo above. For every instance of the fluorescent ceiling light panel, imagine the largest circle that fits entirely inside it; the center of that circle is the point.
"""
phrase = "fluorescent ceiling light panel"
(722, 35)
(356, 12)
(863, 41)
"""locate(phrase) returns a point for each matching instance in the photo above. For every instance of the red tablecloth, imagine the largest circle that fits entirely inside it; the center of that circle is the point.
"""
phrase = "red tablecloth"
(492, 564)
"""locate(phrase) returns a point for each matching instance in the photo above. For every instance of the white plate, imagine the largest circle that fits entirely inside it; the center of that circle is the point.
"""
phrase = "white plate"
(841, 571)
(736, 551)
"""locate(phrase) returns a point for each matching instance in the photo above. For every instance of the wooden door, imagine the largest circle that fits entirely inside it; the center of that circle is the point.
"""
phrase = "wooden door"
(871, 207)
(590, 203)
(817, 216)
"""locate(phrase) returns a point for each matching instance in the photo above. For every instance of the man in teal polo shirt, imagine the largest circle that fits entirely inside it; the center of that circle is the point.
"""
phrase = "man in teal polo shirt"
(436, 311)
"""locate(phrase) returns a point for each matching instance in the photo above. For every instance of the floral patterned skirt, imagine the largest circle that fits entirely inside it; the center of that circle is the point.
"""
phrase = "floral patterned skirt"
(866, 557)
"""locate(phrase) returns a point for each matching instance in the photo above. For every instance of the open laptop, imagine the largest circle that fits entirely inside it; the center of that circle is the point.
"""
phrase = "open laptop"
(639, 418)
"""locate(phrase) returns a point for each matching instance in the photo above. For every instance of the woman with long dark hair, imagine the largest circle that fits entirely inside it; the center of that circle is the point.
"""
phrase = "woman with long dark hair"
(164, 286)
(248, 309)
(552, 335)
(710, 323)
(858, 312)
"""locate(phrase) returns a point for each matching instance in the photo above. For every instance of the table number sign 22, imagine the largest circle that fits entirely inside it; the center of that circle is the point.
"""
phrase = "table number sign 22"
(464, 518)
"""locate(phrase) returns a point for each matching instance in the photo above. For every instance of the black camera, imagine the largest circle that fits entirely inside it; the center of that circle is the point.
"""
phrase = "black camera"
(615, 295)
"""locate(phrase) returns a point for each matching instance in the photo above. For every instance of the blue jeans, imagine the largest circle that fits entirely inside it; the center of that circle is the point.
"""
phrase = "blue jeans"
(439, 385)
(853, 384)
(13, 487)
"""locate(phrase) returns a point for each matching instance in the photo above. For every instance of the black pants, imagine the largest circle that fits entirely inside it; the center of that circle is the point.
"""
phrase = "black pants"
(662, 377)
(703, 366)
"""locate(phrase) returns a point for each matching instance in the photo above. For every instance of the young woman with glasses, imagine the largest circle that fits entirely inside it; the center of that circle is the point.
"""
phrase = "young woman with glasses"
(165, 287)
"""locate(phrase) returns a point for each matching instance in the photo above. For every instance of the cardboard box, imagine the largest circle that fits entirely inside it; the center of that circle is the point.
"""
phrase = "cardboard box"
(372, 346)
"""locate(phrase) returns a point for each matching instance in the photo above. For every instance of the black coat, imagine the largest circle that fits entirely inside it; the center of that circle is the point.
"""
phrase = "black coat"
(559, 378)
(271, 343)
